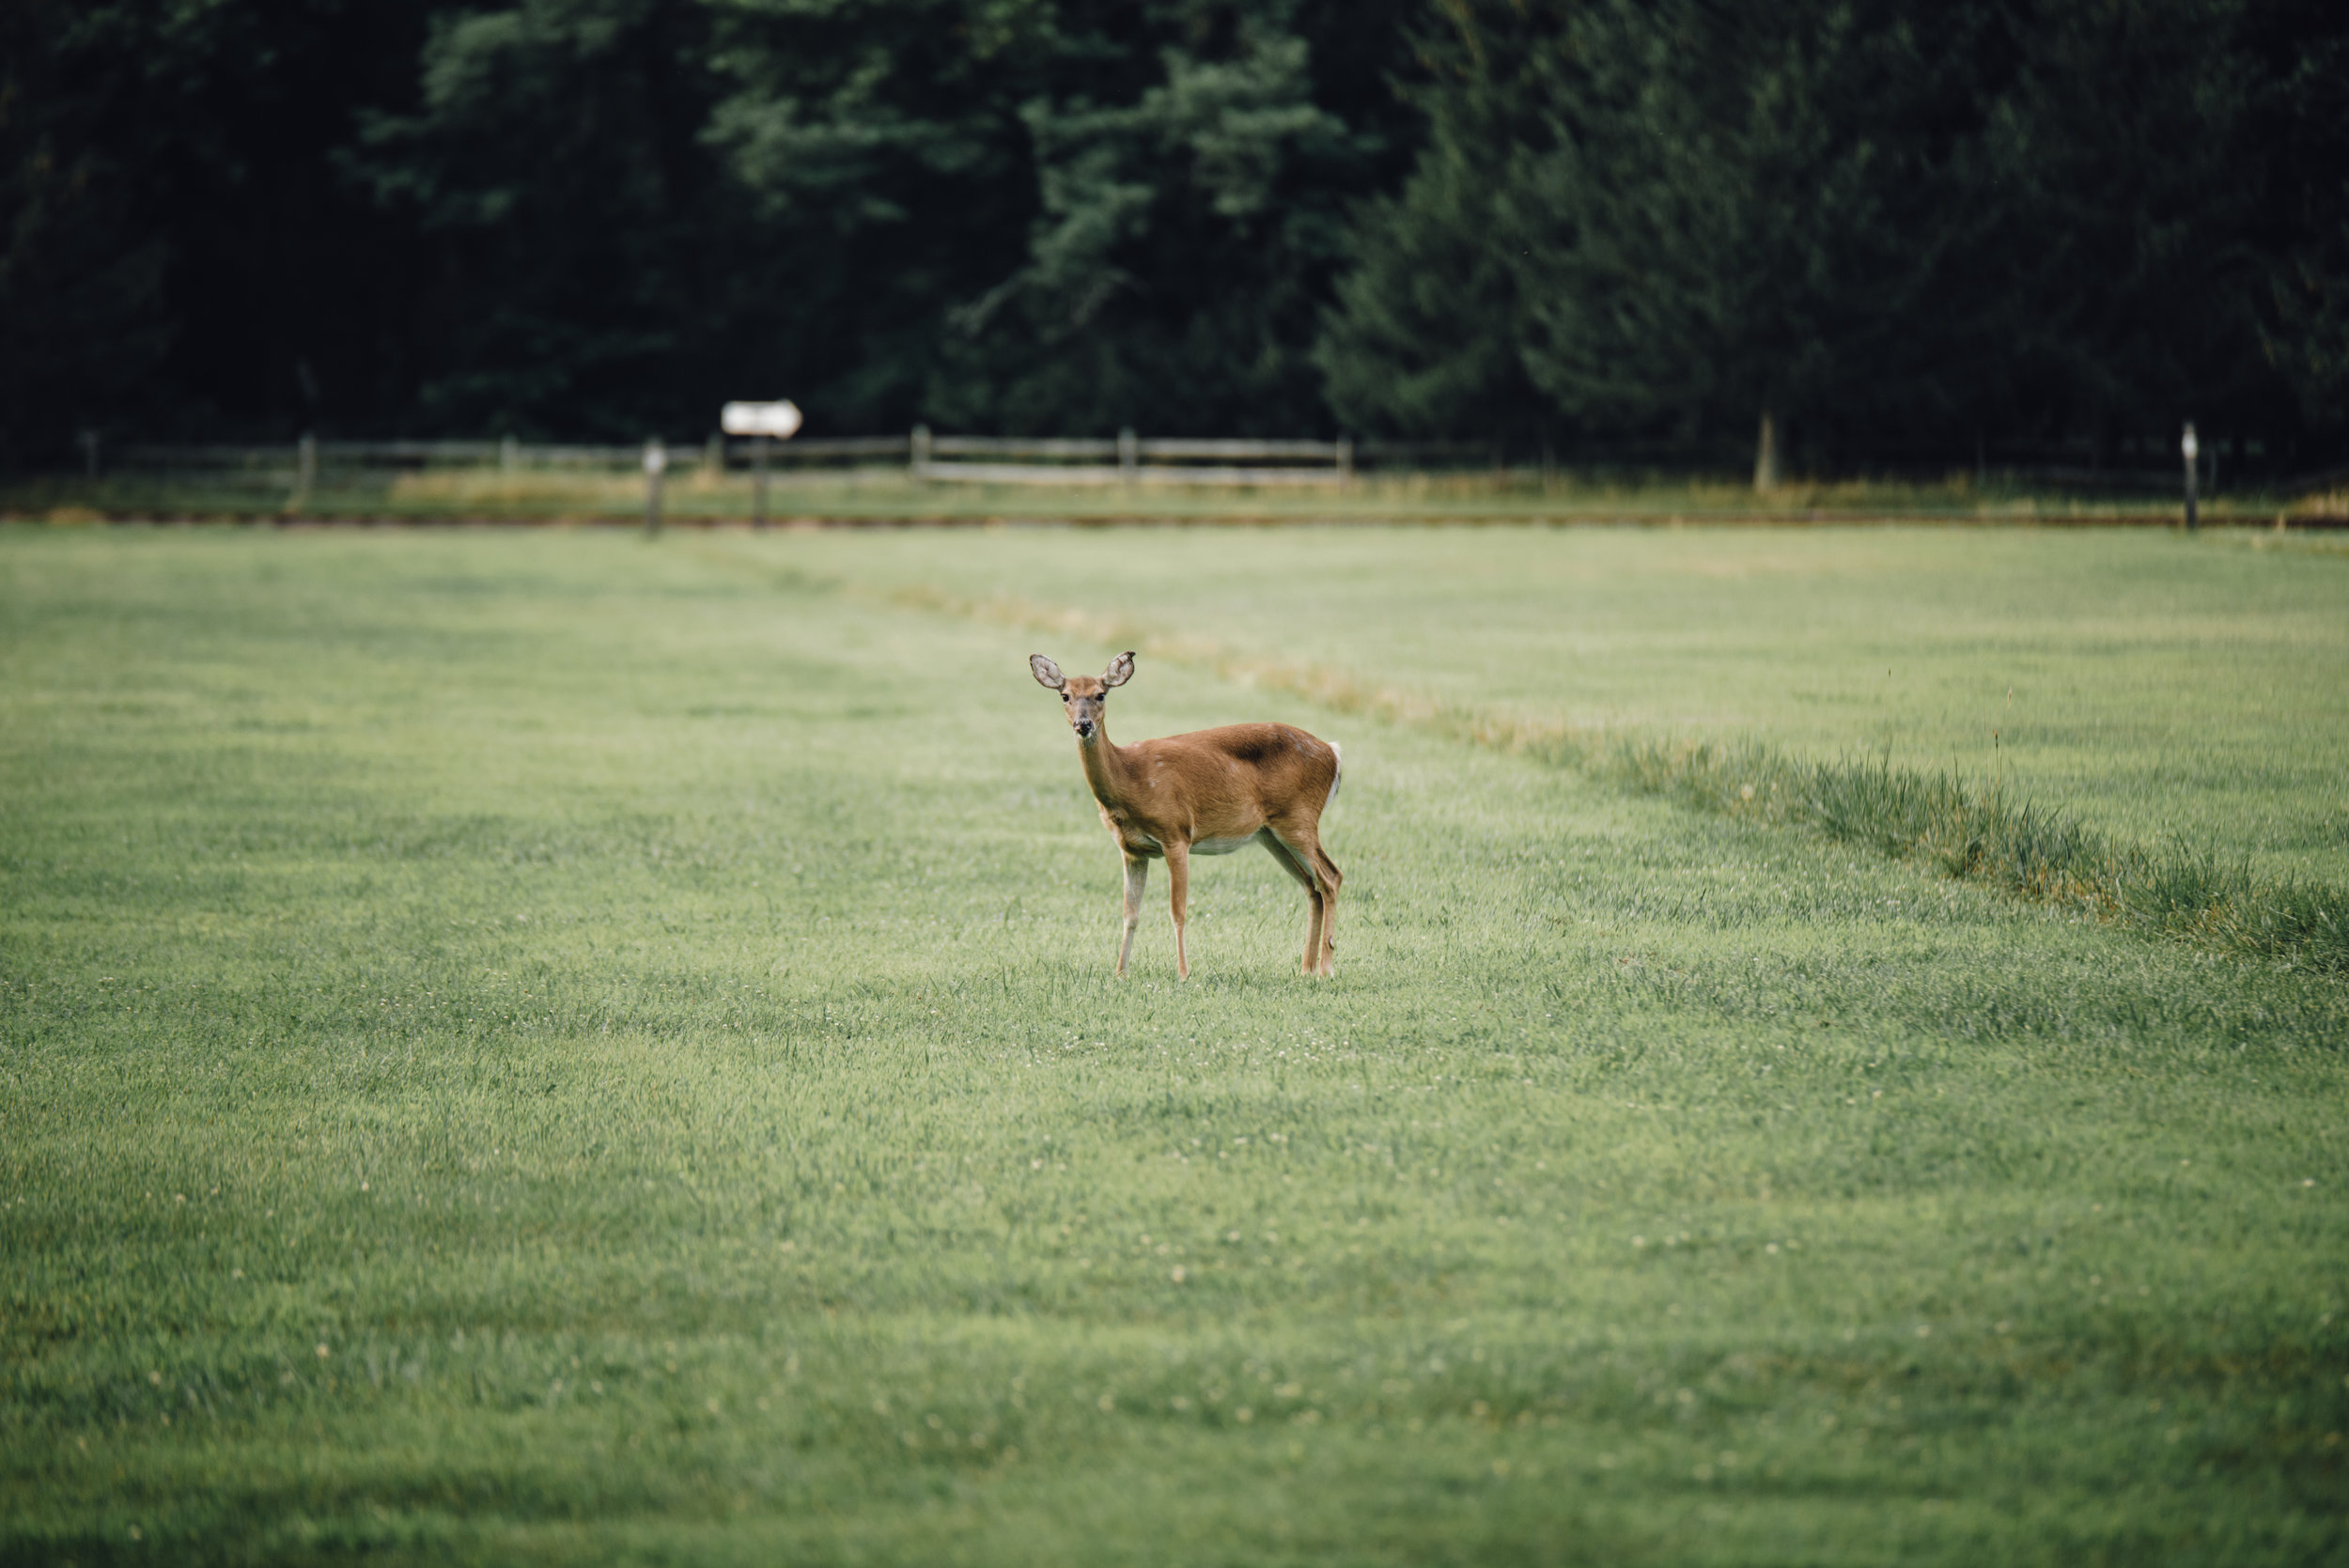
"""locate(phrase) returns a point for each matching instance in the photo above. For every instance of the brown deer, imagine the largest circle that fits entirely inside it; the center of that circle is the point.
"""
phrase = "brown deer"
(1206, 793)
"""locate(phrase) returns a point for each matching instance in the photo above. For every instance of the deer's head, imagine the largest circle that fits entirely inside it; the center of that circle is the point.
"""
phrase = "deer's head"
(1081, 696)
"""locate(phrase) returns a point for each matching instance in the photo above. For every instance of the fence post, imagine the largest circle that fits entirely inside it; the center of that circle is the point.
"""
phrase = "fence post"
(714, 456)
(509, 455)
(305, 471)
(920, 447)
(87, 440)
(1128, 455)
(1346, 460)
(2191, 448)
(656, 464)
(758, 483)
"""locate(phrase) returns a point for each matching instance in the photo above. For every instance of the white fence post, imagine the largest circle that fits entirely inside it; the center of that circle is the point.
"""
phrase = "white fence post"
(656, 464)
(2189, 448)
(305, 471)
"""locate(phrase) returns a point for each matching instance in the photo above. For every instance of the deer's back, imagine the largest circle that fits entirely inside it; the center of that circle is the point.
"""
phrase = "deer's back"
(1268, 765)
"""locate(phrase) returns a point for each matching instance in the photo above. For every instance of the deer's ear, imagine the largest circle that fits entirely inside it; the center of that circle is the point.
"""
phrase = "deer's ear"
(1047, 673)
(1121, 670)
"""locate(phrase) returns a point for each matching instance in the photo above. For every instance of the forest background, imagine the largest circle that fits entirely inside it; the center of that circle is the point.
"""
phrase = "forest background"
(1890, 230)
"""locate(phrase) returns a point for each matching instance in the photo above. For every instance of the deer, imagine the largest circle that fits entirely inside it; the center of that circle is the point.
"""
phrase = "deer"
(1206, 793)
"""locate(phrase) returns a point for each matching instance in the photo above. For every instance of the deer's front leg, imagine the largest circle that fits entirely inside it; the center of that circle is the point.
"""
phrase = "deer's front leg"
(1178, 874)
(1137, 873)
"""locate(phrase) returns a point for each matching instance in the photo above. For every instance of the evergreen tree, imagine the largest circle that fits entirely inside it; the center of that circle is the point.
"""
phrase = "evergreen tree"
(579, 239)
(2124, 199)
(1425, 333)
(1688, 216)
(1170, 276)
(1740, 217)
(882, 138)
(1061, 217)
(82, 318)
(2297, 130)
(1878, 223)
(178, 232)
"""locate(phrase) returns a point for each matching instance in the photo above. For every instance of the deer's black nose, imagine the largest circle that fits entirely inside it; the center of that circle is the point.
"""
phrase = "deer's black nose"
(1084, 729)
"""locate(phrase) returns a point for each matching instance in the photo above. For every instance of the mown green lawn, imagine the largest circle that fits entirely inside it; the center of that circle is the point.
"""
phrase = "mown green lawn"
(545, 1048)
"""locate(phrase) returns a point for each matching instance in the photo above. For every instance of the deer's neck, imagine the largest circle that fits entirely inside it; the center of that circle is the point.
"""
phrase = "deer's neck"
(1104, 766)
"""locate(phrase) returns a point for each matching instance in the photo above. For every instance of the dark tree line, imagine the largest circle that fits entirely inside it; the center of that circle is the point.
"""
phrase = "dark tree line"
(1870, 226)
(1875, 221)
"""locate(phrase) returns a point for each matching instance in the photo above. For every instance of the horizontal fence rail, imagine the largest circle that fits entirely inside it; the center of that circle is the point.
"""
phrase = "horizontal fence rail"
(1105, 473)
(1309, 451)
(825, 447)
(1159, 460)
(1012, 446)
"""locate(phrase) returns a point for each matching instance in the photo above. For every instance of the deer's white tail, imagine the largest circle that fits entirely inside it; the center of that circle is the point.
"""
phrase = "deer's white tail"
(1337, 777)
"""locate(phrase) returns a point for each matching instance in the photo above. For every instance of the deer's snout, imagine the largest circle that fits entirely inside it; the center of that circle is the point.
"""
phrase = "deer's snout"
(1083, 728)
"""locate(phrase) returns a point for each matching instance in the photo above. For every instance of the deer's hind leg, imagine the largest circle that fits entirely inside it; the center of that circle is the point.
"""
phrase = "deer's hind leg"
(1301, 839)
(1327, 874)
(1294, 867)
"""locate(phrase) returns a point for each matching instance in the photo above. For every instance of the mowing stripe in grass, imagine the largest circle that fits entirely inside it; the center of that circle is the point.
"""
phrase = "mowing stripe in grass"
(1974, 831)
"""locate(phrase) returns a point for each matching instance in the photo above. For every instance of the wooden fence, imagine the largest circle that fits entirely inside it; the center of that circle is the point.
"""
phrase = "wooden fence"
(1125, 459)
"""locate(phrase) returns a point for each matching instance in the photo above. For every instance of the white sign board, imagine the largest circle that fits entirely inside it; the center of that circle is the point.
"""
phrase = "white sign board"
(760, 419)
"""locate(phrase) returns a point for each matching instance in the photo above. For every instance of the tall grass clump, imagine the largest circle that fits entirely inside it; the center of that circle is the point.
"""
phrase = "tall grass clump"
(1984, 833)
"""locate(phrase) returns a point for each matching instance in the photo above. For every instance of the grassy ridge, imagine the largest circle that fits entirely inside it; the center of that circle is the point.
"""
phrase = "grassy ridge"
(537, 1048)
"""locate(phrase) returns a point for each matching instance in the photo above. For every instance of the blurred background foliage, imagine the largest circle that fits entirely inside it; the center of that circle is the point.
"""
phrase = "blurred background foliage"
(1897, 228)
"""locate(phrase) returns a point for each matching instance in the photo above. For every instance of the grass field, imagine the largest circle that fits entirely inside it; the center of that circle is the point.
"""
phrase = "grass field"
(542, 1047)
